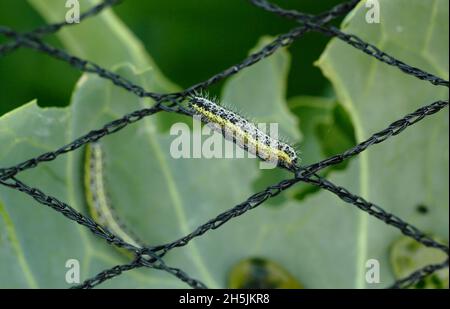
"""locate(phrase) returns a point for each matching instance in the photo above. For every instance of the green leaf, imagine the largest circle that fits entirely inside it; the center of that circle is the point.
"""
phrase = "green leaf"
(328, 130)
(318, 242)
(407, 256)
(260, 91)
(410, 169)
(161, 198)
(106, 41)
(103, 39)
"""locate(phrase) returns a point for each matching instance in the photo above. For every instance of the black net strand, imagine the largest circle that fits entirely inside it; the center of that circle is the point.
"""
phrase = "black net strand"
(351, 39)
(51, 28)
(139, 262)
(418, 275)
(393, 129)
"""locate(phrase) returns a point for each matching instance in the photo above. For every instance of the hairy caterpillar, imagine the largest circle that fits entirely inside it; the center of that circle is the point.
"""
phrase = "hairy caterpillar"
(97, 199)
(242, 132)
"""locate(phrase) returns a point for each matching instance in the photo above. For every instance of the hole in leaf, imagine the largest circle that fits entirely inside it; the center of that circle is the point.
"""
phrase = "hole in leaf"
(327, 130)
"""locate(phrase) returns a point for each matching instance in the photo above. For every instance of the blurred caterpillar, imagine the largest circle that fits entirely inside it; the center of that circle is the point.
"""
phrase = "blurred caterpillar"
(243, 133)
(260, 273)
(97, 199)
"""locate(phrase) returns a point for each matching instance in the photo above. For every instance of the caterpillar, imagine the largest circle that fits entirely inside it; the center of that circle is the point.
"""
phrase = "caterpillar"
(260, 273)
(242, 132)
(97, 199)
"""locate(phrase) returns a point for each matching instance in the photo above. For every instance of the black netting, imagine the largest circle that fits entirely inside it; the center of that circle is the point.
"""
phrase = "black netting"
(152, 257)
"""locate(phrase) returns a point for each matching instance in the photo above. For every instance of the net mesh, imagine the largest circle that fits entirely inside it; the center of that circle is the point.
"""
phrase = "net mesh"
(152, 256)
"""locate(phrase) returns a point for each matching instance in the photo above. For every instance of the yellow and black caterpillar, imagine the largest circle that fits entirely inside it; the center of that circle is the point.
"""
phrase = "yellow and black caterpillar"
(244, 133)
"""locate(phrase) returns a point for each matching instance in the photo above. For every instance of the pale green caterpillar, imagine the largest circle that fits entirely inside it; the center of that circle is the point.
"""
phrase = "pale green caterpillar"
(97, 199)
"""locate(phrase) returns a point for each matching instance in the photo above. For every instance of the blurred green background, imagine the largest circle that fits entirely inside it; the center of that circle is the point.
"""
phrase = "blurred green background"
(174, 33)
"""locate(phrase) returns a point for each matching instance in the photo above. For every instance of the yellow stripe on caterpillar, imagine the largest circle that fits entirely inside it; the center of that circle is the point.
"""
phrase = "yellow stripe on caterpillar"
(97, 199)
(243, 133)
